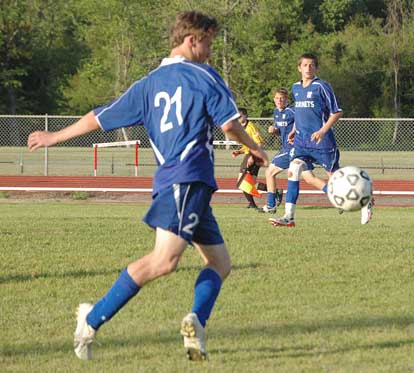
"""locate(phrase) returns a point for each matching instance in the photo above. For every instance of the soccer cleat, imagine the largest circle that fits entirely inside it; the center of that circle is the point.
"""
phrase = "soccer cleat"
(282, 222)
(84, 333)
(270, 210)
(367, 212)
(279, 196)
(194, 338)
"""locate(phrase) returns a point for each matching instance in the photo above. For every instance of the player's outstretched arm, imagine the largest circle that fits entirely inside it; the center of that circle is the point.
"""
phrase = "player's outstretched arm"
(236, 132)
(41, 139)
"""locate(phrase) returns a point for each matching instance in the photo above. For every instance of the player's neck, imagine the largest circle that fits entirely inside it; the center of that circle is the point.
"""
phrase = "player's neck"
(307, 81)
(181, 51)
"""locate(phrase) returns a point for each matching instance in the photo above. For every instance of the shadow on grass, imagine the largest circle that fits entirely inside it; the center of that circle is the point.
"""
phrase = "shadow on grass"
(311, 350)
(54, 275)
(90, 273)
(273, 331)
(345, 324)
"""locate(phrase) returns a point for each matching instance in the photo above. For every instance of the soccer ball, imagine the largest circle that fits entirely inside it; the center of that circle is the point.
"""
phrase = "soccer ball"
(349, 188)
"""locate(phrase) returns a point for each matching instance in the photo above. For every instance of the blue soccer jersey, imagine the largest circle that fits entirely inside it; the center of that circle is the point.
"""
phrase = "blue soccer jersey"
(313, 106)
(283, 121)
(178, 103)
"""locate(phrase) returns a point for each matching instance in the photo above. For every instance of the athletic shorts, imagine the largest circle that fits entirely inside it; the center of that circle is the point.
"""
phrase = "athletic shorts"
(253, 169)
(282, 159)
(329, 160)
(185, 210)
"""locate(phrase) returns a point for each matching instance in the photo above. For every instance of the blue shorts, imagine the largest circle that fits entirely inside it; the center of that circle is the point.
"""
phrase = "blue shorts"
(329, 160)
(184, 209)
(282, 159)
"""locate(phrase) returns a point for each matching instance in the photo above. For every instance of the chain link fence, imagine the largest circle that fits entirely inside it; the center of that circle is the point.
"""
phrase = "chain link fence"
(385, 147)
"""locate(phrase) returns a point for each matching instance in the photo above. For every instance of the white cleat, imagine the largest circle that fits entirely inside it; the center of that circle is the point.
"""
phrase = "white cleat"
(282, 222)
(367, 212)
(84, 333)
(194, 338)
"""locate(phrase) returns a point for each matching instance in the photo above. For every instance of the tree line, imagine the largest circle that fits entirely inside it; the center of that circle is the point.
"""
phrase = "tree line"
(68, 56)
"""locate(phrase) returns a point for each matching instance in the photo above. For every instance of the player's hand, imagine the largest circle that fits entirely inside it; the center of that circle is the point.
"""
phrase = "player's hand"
(271, 129)
(235, 153)
(40, 139)
(318, 136)
(260, 157)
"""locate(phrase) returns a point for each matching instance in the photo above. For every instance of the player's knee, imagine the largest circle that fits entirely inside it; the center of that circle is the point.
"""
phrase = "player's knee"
(271, 171)
(165, 266)
(225, 270)
(221, 266)
(295, 169)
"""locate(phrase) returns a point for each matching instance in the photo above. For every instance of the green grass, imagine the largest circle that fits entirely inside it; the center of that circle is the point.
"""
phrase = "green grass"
(328, 296)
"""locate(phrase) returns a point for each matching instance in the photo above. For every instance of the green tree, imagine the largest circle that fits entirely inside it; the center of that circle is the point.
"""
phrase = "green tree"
(125, 40)
(15, 54)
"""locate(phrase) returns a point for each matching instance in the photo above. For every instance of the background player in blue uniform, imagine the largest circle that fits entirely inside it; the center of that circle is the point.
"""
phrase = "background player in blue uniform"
(178, 103)
(284, 120)
(316, 111)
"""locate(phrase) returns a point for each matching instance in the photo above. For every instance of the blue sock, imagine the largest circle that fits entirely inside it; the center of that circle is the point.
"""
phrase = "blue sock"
(292, 193)
(271, 202)
(206, 290)
(325, 188)
(120, 293)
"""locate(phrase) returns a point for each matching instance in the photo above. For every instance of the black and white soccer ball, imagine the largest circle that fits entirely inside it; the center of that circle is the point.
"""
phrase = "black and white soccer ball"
(349, 188)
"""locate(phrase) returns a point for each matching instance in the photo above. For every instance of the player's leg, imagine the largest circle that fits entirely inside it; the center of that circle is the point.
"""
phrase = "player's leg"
(279, 163)
(315, 181)
(206, 290)
(208, 241)
(294, 172)
(254, 171)
(367, 212)
(161, 261)
(167, 216)
(271, 202)
(243, 169)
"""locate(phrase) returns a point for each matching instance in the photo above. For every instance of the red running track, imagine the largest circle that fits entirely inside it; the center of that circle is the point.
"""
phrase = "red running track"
(106, 182)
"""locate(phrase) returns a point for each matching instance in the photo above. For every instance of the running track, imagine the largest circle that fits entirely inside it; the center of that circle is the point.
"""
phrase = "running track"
(401, 191)
(386, 187)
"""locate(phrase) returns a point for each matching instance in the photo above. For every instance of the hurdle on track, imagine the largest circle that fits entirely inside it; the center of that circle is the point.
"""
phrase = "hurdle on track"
(136, 143)
(112, 145)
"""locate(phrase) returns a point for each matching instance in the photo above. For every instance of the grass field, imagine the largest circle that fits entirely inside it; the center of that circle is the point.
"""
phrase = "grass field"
(328, 296)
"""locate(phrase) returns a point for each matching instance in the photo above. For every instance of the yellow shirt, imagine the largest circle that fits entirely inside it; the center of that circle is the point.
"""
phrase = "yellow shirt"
(254, 133)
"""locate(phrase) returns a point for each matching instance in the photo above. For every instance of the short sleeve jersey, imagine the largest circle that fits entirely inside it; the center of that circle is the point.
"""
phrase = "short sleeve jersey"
(178, 103)
(313, 106)
(254, 133)
(283, 120)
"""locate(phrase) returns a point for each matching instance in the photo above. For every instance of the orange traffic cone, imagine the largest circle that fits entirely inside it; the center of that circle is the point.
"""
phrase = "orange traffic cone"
(247, 184)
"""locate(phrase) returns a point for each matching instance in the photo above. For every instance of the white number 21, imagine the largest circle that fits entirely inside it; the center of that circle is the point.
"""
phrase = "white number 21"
(175, 99)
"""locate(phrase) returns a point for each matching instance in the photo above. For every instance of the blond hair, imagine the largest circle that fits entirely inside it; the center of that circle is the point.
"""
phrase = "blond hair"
(282, 91)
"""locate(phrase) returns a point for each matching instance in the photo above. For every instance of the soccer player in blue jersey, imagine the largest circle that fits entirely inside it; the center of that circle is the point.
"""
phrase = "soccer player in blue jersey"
(178, 103)
(284, 120)
(316, 111)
